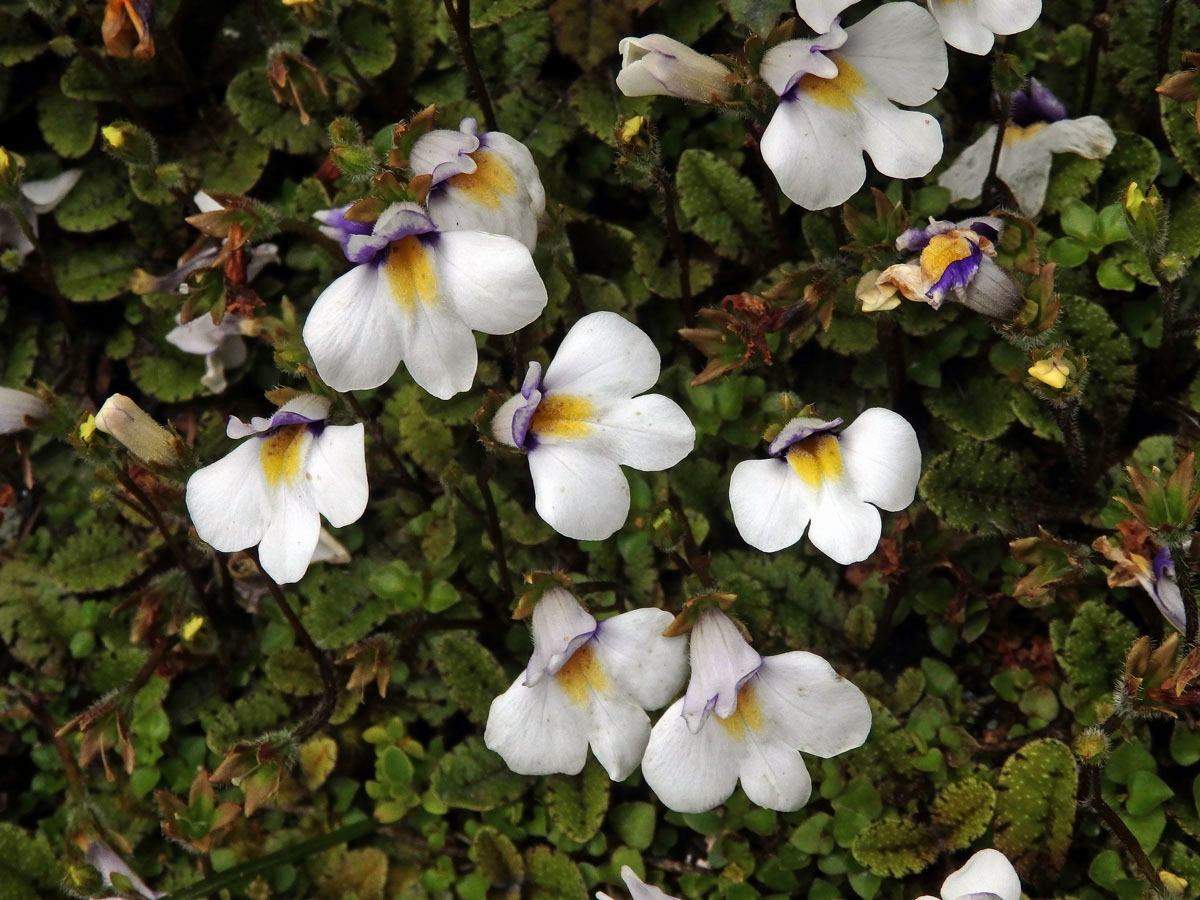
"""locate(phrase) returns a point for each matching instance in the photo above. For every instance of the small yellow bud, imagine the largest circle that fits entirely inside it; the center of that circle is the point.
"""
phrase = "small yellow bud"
(88, 428)
(876, 297)
(1173, 882)
(191, 627)
(632, 128)
(141, 435)
(115, 136)
(1134, 198)
(1092, 745)
(1051, 372)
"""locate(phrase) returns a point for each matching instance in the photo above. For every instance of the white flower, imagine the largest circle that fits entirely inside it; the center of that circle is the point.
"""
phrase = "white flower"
(1155, 575)
(656, 65)
(37, 197)
(955, 263)
(972, 25)
(829, 480)
(17, 406)
(988, 875)
(273, 489)
(638, 889)
(587, 683)
(747, 717)
(133, 427)
(481, 182)
(820, 15)
(582, 421)
(416, 296)
(221, 345)
(1039, 129)
(835, 102)
(102, 857)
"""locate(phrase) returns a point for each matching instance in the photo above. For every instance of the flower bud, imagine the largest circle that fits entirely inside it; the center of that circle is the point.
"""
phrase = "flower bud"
(659, 65)
(141, 435)
(876, 297)
(1144, 214)
(1050, 371)
(130, 144)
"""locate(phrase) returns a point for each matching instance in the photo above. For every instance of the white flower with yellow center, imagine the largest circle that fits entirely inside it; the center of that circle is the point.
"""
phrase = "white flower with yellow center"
(273, 489)
(988, 875)
(972, 25)
(581, 421)
(18, 409)
(587, 683)
(828, 483)
(416, 295)
(1039, 129)
(836, 96)
(747, 717)
(481, 182)
(638, 889)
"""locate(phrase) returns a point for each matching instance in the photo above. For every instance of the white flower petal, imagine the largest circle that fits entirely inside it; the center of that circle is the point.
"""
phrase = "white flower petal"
(786, 63)
(43, 196)
(902, 143)
(815, 152)
(287, 547)
(658, 65)
(15, 406)
(1027, 156)
(453, 211)
(819, 14)
(310, 406)
(520, 160)
(618, 734)
(579, 494)
(105, 860)
(355, 331)
(1008, 16)
(335, 473)
(964, 179)
(639, 890)
(228, 500)
(201, 335)
(1089, 137)
(961, 27)
(843, 527)
(560, 626)
(722, 662)
(490, 280)
(649, 433)
(443, 147)
(773, 775)
(605, 355)
(882, 459)
(439, 350)
(988, 871)
(648, 668)
(502, 422)
(205, 203)
(814, 709)
(690, 772)
(771, 505)
(898, 50)
(538, 730)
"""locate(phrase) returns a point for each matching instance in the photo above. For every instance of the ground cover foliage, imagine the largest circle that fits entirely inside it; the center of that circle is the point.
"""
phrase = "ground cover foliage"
(137, 662)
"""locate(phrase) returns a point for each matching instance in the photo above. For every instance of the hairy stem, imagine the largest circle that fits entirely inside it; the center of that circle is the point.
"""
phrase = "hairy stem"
(460, 19)
(1120, 830)
(324, 708)
(1098, 25)
(1183, 577)
(1067, 418)
(697, 563)
(1166, 25)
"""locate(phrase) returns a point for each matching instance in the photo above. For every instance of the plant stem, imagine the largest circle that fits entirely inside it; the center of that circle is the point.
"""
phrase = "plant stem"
(678, 247)
(495, 534)
(410, 481)
(1066, 416)
(1098, 25)
(770, 195)
(1183, 577)
(324, 709)
(1166, 25)
(65, 311)
(1120, 830)
(697, 563)
(460, 19)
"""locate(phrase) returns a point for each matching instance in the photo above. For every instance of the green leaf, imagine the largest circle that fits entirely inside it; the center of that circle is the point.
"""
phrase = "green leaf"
(634, 824)
(1067, 252)
(29, 867)
(293, 671)
(271, 124)
(69, 126)
(1134, 158)
(759, 16)
(19, 43)
(1035, 809)
(95, 559)
(498, 861)
(233, 163)
(551, 875)
(1092, 649)
(598, 104)
(978, 406)
(367, 42)
(1179, 123)
(168, 376)
(1079, 220)
(577, 803)
(1146, 793)
(472, 675)
(473, 777)
(895, 847)
(721, 205)
(976, 487)
(1071, 177)
(1087, 327)
(962, 811)
(100, 200)
(588, 31)
(490, 12)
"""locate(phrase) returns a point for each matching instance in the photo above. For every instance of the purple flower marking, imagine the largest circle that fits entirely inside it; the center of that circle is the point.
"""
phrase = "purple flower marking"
(915, 239)
(797, 430)
(1036, 105)
(284, 418)
(531, 391)
(958, 274)
(400, 220)
(983, 229)
(1163, 565)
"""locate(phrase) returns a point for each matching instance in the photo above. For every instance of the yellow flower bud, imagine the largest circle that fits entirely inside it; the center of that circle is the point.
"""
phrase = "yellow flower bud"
(876, 297)
(115, 136)
(1051, 372)
(632, 128)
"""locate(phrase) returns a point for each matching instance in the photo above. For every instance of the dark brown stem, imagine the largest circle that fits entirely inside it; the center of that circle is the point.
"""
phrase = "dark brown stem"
(770, 192)
(151, 512)
(65, 311)
(1120, 830)
(495, 533)
(1166, 25)
(678, 247)
(377, 434)
(697, 563)
(1183, 577)
(1067, 418)
(75, 784)
(992, 185)
(893, 355)
(1098, 24)
(460, 20)
(325, 706)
